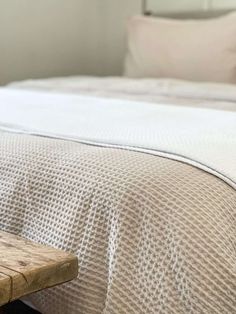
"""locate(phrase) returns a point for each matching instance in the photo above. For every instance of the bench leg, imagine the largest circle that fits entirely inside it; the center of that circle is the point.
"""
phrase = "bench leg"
(17, 307)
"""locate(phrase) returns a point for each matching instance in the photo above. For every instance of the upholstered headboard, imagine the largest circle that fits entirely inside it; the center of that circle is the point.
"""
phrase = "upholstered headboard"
(205, 13)
(190, 14)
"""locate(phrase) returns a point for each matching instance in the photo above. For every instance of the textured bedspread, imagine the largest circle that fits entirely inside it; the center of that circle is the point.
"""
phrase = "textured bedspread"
(153, 235)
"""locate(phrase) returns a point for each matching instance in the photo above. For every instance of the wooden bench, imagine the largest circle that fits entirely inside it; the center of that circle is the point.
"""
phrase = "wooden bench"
(27, 267)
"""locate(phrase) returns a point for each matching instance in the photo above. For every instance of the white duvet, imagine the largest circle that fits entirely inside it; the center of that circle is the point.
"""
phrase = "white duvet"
(203, 137)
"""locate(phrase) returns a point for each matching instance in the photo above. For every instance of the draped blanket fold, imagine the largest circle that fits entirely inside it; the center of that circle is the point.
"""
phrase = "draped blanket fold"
(148, 206)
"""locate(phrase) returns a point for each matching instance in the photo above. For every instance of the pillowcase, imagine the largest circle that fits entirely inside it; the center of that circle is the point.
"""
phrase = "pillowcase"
(198, 50)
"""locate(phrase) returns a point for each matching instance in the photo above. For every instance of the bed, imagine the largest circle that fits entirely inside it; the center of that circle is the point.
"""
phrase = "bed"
(135, 176)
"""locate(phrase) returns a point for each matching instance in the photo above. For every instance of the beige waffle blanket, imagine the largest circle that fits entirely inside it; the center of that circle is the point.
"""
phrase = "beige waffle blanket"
(153, 235)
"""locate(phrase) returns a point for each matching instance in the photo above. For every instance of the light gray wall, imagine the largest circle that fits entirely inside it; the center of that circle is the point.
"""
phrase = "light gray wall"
(117, 14)
(41, 38)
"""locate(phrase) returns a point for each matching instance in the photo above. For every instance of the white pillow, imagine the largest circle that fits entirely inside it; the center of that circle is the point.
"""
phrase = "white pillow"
(198, 50)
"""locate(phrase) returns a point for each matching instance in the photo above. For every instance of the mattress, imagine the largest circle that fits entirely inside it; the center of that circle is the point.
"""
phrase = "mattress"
(153, 234)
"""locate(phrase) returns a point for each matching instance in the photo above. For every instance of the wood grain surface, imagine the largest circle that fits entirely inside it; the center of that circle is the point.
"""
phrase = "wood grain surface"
(27, 267)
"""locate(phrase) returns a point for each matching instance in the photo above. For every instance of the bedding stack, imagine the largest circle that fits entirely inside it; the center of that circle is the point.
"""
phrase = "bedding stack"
(143, 193)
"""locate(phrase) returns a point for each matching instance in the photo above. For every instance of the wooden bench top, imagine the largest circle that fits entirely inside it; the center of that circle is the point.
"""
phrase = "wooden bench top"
(27, 267)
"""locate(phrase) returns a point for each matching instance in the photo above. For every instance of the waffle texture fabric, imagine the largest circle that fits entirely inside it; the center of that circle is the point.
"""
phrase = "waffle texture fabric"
(153, 235)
